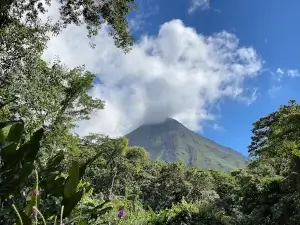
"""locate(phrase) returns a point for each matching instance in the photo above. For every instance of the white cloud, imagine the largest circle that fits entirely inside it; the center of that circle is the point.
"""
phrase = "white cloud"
(278, 79)
(280, 71)
(293, 73)
(251, 96)
(178, 73)
(198, 4)
(289, 72)
(274, 89)
(217, 127)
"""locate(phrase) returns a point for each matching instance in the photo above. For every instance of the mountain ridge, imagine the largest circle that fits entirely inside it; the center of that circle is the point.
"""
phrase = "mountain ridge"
(171, 141)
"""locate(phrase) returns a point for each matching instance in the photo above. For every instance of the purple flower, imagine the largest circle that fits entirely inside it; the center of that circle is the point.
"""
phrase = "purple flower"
(35, 212)
(121, 214)
(37, 192)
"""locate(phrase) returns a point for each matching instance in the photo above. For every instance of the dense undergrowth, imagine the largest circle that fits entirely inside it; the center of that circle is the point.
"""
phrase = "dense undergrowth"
(104, 175)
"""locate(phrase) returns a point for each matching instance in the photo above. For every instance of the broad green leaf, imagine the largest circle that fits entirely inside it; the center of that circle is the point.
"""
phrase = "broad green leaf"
(14, 180)
(15, 132)
(25, 171)
(8, 153)
(54, 162)
(71, 202)
(37, 136)
(2, 136)
(101, 205)
(30, 149)
(4, 144)
(58, 191)
(7, 123)
(87, 163)
(73, 179)
(56, 187)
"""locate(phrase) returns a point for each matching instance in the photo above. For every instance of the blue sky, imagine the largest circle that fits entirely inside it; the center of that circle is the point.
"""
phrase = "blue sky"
(271, 27)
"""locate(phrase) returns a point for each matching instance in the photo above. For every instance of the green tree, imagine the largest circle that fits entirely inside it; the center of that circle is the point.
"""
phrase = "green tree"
(24, 36)
(92, 13)
(275, 139)
(50, 97)
(271, 196)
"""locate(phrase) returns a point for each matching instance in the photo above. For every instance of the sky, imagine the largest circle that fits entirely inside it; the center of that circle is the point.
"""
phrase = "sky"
(214, 65)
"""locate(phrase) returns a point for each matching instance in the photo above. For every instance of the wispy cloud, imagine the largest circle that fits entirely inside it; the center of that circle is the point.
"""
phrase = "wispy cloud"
(293, 73)
(146, 9)
(198, 4)
(279, 79)
(288, 72)
(274, 89)
(252, 94)
(218, 127)
(280, 71)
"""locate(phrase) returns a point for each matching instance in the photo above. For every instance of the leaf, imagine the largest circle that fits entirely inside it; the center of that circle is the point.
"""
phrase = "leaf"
(8, 148)
(45, 180)
(8, 152)
(25, 219)
(82, 222)
(2, 137)
(54, 162)
(24, 173)
(71, 202)
(14, 178)
(15, 132)
(52, 168)
(101, 205)
(87, 163)
(7, 123)
(73, 179)
(57, 191)
(4, 144)
(56, 187)
(101, 212)
(37, 136)
(30, 149)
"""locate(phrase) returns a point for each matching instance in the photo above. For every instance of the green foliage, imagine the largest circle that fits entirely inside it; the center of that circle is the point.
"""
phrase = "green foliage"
(73, 180)
(192, 214)
(93, 14)
(23, 35)
(17, 164)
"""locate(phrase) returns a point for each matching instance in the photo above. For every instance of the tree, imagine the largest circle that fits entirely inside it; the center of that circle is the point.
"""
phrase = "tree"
(92, 13)
(273, 196)
(24, 36)
(118, 167)
(275, 138)
(53, 97)
(19, 45)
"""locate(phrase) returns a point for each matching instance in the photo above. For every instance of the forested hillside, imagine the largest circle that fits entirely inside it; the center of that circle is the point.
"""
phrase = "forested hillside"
(49, 175)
